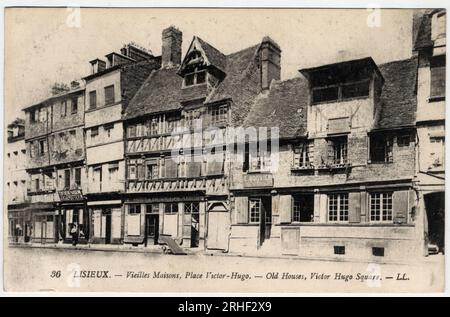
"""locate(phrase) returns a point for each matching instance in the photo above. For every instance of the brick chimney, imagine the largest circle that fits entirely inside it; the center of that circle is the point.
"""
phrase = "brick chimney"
(270, 57)
(171, 46)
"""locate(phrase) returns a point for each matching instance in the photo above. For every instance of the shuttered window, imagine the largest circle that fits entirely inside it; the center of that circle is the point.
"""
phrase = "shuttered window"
(109, 95)
(241, 209)
(303, 154)
(437, 68)
(93, 99)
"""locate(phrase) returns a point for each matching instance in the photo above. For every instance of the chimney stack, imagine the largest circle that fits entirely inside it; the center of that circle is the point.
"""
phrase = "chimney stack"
(270, 57)
(171, 46)
(97, 65)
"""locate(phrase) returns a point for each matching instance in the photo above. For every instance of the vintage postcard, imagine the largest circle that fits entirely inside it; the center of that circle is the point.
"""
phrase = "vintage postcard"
(224, 150)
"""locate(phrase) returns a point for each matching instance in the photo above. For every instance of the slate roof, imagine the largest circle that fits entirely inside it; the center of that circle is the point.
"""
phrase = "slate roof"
(399, 94)
(284, 106)
(422, 30)
(160, 92)
(214, 56)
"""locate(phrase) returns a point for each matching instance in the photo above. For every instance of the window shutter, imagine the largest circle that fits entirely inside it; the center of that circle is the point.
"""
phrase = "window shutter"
(330, 152)
(171, 167)
(400, 206)
(354, 212)
(194, 168)
(241, 209)
(437, 88)
(285, 208)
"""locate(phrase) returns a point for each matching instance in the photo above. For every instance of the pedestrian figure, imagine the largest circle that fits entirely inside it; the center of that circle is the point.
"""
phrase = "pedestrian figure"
(74, 233)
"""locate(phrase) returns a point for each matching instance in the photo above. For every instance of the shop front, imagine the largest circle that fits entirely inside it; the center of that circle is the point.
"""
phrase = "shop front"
(41, 228)
(106, 224)
(19, 223)
(72, 217)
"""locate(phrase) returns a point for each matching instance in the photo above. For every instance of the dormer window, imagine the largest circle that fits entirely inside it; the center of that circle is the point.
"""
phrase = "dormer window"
(342, 91)
(195, 70)
(195, 78)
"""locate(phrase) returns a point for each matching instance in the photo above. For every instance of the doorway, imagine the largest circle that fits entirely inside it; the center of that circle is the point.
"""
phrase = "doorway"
(435, 207)
(151, 229)
(107, 215)
(191, 223)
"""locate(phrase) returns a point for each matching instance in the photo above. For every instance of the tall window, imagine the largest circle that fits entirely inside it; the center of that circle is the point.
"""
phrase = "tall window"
(109, 95)
(93, 99)
(437, 83)
(219, 114)
(254, 208)
(381, 148)
(78, 176)
(259, 159)
(74, 105)
(337, 150)
(64, 108)
(338, 207)
(381, 207)
(67, 178)
(302, 154)
(437, 152)
(42, 147)
(303, 208)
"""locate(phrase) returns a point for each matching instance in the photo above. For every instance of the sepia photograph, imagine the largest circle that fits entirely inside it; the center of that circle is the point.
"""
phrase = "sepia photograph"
(231, 150)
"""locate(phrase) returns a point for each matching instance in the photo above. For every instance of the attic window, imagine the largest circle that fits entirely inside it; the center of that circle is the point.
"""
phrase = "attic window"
(197, 77)
(341, 91)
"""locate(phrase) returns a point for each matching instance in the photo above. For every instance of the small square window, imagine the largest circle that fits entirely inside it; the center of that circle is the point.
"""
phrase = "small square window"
(94, 132)
(339, 249)
(377, 251)
(403, 140)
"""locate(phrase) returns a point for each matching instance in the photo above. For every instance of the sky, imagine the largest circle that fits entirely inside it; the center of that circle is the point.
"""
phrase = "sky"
(48, 45)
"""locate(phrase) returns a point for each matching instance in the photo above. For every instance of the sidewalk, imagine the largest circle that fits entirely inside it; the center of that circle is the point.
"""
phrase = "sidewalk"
(157, 249)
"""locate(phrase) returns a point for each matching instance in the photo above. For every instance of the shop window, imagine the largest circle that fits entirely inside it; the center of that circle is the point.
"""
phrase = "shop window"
(381, 207)
(191, 208)
(254, 209)
(74, 108)
(337, 150)
(381, 148)
(437, 83)
(338, 207)
(152, 208)
(171, 208)
(93, 99)
(109, 95)
(134, 209)
(303, 208)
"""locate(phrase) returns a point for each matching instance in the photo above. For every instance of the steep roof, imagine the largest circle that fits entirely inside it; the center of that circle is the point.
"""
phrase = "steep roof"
(422, 30)
(214, 56)
(283, 106)
(398, 96)
(160, 92)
